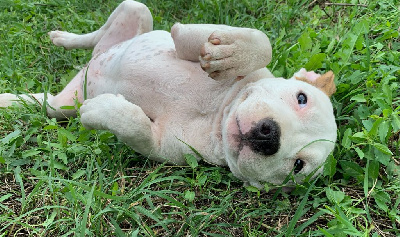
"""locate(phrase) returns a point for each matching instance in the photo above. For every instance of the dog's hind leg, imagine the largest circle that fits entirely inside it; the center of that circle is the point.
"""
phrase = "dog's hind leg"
(69, 97)
(128, 20)
(53, 103)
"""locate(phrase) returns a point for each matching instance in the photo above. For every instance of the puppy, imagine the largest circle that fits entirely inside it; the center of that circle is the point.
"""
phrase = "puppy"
(200, 86)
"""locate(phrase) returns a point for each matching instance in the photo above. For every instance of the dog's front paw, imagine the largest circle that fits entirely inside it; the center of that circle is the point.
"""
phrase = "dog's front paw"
(235, 53)
(101, 112)
(217, 56)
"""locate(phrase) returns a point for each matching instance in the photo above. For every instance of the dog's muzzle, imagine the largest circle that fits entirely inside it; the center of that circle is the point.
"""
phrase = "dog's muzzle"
(264, 137)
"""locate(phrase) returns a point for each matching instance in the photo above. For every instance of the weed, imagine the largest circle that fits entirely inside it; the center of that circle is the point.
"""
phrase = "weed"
(58, 179)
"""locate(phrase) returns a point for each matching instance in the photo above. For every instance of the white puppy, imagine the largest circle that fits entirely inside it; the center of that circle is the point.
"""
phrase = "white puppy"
(205, 87)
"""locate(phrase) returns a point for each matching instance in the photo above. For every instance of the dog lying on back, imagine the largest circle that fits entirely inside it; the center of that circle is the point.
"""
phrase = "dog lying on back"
(200, 86)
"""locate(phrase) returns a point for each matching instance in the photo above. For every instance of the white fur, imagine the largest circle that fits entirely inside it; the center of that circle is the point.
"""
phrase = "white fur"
(159, 94)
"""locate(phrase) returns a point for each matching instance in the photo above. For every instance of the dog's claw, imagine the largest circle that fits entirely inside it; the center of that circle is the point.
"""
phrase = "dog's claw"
(205, 66)
(214, 74)
(207, 57)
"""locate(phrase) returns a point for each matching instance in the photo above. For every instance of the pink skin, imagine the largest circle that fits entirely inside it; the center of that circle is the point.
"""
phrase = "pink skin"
(238, 124)
(242, 126)
(311, 75)
(233, 133)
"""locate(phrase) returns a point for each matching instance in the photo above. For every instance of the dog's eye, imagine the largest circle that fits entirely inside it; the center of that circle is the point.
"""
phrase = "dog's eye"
(302, 100)
(298, 165)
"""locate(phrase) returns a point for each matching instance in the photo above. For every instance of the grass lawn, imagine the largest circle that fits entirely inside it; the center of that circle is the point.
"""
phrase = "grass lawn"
(58, 179)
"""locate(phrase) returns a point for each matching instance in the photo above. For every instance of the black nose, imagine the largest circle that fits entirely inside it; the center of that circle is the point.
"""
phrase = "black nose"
(264, 137)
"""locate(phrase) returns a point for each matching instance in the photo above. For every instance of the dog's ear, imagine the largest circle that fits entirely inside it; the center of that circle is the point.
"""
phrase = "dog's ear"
(324, 82)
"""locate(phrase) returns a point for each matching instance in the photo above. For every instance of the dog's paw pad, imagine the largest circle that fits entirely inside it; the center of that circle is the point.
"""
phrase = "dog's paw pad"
(214, 40)
(223, 37)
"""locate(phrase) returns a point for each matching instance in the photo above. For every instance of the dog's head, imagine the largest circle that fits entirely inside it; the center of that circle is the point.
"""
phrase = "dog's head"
(277, 126)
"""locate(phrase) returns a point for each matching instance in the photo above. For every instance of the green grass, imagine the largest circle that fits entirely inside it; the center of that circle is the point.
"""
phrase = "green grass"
(58, 179)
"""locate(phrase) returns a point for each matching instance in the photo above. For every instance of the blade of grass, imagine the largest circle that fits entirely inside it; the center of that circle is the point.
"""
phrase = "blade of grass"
(118, 230)
(18, 218)
(300, 209)
(85, 83)
(308, 222)
(18, 178)
(85, 187)
(87, 209)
